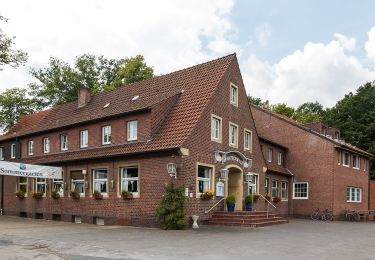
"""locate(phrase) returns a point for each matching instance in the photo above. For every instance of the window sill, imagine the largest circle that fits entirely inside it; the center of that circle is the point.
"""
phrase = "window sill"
(354, 201)
(300, 198)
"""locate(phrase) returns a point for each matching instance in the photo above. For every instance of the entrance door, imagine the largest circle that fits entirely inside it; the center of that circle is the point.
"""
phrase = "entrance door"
(235, 186)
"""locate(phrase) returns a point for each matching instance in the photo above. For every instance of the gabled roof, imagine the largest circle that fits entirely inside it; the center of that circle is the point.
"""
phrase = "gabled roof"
(193, 85)
(338, 143)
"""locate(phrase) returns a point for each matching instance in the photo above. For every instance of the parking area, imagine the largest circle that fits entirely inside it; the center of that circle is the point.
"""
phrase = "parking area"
(22, 238)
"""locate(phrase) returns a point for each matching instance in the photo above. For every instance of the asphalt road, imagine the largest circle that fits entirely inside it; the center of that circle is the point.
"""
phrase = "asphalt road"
(300, 239)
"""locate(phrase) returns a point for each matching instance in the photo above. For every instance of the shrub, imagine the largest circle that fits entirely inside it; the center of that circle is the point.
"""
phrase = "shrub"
(20, 194)
(74, 194)
(170, 213)
(38, 195)
(207, 195)
(249, 199)
(97, 195)
(126, 195)
(55, 194)
(230, 199)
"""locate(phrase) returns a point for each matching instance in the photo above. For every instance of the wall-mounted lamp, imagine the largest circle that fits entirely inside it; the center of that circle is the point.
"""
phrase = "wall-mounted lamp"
(112, 184)
(223, 175)
(84, 172)
(172, 169)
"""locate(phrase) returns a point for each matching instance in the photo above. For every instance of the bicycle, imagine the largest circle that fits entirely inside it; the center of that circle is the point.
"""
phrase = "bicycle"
(324, 215)
(352, 215)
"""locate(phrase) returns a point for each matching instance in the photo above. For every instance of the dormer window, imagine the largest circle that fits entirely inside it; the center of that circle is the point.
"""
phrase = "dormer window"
(270, 155)
(356, 162)
(345, 159)
(106, 134)
(324, 130)
(132, 130)
(233, 95)
(337, 135)
(46, 145)
(279, 158)
(13, 151)
(64, 142)
(30, 147)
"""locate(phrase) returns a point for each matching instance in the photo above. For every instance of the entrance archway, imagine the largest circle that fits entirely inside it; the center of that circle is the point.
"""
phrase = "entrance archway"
(235, 185)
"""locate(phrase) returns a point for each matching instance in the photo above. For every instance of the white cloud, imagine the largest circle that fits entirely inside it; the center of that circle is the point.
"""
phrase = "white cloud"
(263, 34)
(322, 72)
(170, 34)
(370, 44)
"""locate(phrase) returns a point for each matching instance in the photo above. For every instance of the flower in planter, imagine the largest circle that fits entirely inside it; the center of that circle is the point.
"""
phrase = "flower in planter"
(207, 195)
(38, 195)
(256, 197)
(20, 194)
(126, 195)
(97, 195)
(277, 199)
(55, 194)
(74, 194)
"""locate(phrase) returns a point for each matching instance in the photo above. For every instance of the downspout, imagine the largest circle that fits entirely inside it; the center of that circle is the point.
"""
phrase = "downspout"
(2, 195)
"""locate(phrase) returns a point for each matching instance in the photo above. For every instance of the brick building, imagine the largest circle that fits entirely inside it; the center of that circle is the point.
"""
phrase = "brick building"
(326, 172)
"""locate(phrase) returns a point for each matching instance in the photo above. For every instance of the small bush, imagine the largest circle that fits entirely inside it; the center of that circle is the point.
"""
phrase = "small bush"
(231, 199)
(20, 194)
(126, 195)
(38, 195)
(170, 213)
(249, 199)
(207, 195)
(97, 195)
(55, 194)
(74, 194)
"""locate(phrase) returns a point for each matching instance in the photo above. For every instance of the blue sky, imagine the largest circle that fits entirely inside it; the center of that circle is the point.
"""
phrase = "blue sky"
(289, 51)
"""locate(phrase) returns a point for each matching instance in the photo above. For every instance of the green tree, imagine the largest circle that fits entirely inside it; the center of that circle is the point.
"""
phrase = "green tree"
(355, 116)
(283, 109)
(255, 101)
(170, 213)
(8, 55)
(15, 103)
(309, 112)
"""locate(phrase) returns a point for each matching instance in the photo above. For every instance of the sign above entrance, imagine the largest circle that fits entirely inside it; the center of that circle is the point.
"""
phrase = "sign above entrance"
(223, 157)
(30, 170)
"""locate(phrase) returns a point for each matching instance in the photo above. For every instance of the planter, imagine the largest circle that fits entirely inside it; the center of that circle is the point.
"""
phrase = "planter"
(256, 197)
(38, 195)
(20, 194)
(97, 195)
(127, 195)
(55, 194)
(277, 200)
(207, 195)
(249, 207)
(75, 195)
(231, 207)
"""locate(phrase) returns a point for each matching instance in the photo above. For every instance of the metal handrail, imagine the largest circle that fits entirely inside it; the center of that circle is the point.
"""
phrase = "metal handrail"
(207, 211)
(268, 203)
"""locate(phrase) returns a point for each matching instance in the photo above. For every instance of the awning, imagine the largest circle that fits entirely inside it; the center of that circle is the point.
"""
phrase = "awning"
(30, 170)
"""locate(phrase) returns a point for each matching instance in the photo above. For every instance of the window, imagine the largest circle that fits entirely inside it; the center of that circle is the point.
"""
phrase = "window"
(267, 186)
(233, 95)
(364, 164)
(64, 142)
(279, 158)
(84, 139)
(301, 190)
(30, 147)
(248, 140)
(324, 130)
(253, 187)
(356, 162)
(216, 129)
(337, 135)
(78, 182)
(204, 178)
(353, 194)
(46, 145)
(340, 158)
(100, 181)
(130, 179)
(275, 190)
(22, 184)
(1, 153)
(58, 185)
(284, 190)
(345, 159)
(132, 130)
(40, 185)
(270, 154)
(233, 135)
(13, 151)
(106, 134)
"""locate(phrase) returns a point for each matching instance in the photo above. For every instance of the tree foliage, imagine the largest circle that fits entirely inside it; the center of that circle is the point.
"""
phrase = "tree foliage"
(170, 213)
(8, 55)
(255, 101)
(283, 109)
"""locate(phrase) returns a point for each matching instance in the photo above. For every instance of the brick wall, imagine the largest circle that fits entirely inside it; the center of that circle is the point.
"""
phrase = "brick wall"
(372, 195)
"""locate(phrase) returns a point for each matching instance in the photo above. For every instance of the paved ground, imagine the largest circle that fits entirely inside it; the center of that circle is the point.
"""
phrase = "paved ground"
(300, 239)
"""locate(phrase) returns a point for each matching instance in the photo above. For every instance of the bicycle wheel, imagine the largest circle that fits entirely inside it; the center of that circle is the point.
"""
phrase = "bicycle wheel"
(356, 217)
(315, 216)
(327, 217)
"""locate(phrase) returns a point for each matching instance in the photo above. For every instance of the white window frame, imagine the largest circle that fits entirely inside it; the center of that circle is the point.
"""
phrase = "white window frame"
(294, 191)
(235, 127)
(41, 181)
(209, 179)
(1, 153)
(46, 145)
(248, 140)
(106, 134)
(124, 179)
(64, 142)
(364, 164)
(354, 191)
(100, 180)
(132, 130)
(233, 95)
(343, 159)
(270, 154)
(61, 190)
(30, 147)
(214, 131)
(84, 138)
(284, 189)
(13, 151)
(275, 188)
(267, 186)
(279, 158)
(256, 181)
(358, 160)
(19, 184)
(80, 181)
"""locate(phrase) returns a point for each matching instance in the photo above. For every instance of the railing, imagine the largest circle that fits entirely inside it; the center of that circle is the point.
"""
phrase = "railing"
(268, 203)
(214, 206)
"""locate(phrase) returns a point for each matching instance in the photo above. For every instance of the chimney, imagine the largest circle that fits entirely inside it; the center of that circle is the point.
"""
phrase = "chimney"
(84, 97)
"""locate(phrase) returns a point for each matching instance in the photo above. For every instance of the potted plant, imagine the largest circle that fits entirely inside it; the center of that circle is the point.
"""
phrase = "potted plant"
(126, 195)
(74, 194)
(55, 194)
(207, 195)
(231, 203)
(256, 197)
(277, 199)
(97, 195)
(20, 194)
(249, 199)
(38, 195)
